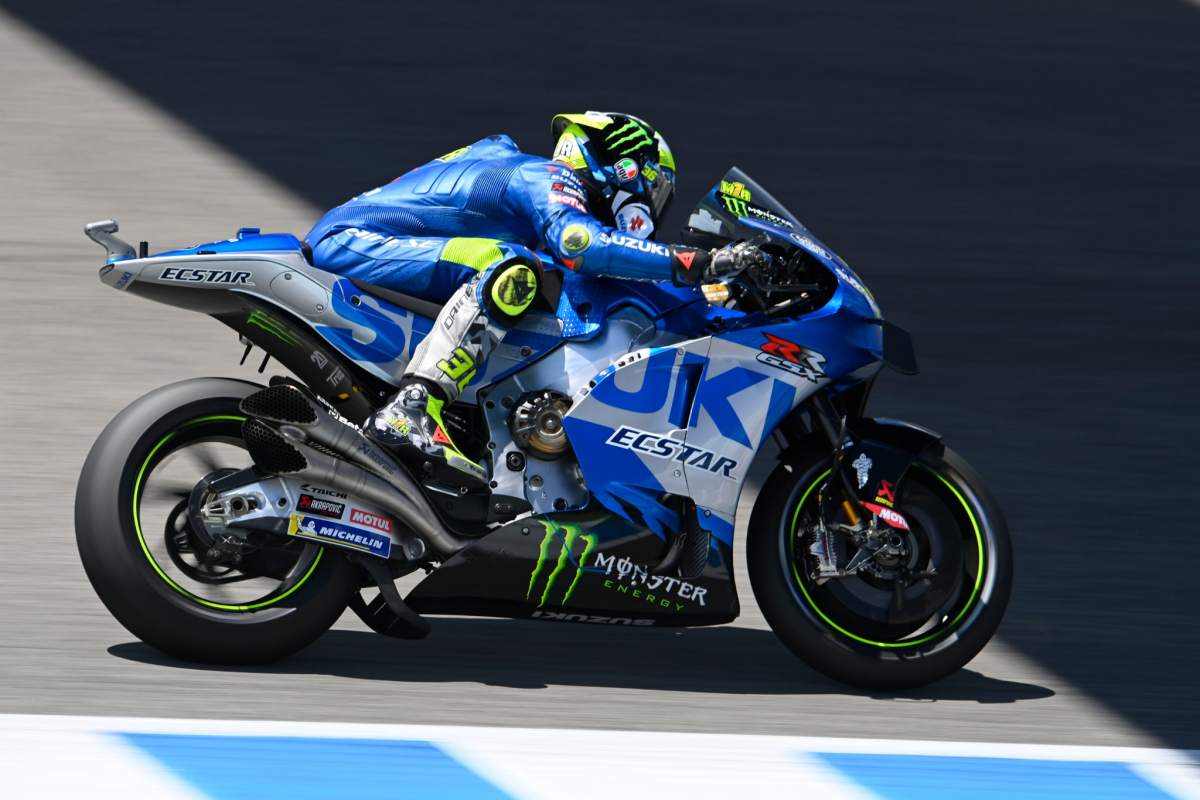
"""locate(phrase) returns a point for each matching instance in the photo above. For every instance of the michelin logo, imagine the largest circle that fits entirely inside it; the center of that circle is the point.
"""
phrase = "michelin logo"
(323, 530)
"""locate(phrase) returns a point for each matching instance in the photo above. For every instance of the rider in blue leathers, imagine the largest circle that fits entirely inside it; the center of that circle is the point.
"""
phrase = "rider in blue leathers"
(464, 227)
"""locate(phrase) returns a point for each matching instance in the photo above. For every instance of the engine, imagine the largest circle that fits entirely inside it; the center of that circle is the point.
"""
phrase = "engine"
(537, 424)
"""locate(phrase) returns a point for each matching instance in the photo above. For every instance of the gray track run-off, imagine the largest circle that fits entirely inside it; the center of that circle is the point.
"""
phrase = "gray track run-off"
(75, 147)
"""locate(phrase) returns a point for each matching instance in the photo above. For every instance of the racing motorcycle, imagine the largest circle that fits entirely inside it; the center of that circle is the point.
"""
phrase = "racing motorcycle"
(225, 521)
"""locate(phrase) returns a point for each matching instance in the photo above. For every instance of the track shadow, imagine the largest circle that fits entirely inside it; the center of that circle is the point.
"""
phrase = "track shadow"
(721, 660)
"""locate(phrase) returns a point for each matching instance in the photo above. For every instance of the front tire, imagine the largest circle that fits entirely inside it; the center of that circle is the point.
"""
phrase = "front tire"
(145, 591)
(833, 626)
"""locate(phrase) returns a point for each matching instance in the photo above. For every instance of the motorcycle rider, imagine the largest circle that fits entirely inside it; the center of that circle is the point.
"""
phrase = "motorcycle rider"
(465, 226)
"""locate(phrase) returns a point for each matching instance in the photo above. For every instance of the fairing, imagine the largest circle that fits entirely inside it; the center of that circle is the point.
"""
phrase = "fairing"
(687, 419)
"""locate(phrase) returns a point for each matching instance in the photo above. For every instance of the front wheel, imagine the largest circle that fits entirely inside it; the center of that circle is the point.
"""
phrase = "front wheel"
(890, 625)
(169, 581)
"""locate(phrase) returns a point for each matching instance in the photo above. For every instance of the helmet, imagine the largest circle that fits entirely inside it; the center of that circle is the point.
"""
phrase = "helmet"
(625, 165)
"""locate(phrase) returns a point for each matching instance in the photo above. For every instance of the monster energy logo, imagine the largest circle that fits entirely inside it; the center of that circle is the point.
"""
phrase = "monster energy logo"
(735, 205)
(263, 320)
(567, 535)
(628, 138)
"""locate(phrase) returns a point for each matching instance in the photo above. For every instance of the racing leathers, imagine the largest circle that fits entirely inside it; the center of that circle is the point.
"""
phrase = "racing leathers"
(462, 228)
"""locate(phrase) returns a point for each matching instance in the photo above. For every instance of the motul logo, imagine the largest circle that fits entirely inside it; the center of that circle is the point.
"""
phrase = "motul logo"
(888, 515)
(379, 523)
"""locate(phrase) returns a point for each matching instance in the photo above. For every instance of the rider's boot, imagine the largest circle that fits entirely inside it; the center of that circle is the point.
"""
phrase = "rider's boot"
(411, 427)
(445, 362)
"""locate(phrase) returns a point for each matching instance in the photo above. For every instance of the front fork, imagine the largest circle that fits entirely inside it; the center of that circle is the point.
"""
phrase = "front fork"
(833, 425)
(880, 536)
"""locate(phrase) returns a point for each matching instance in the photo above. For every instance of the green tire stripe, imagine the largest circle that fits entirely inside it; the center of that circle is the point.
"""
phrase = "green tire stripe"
(924, 639)
(137, 525)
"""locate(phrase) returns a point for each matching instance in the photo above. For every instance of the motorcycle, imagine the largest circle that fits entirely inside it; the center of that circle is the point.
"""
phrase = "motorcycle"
(223, 521)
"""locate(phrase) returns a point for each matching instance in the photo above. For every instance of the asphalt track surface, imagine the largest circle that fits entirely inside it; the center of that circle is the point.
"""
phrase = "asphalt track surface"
(1016, 181)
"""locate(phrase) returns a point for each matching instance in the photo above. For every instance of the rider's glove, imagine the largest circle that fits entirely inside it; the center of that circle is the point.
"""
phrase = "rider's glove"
(692, 267)
(689, 265)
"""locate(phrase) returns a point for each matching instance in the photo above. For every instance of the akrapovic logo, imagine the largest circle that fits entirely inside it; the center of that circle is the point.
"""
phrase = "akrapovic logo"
(317, 505)
(222, 276)
(658, 446)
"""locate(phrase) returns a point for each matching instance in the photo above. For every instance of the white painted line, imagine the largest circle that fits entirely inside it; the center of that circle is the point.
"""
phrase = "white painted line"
(1179, 779)
(541, 762)
(593, 765)
(554, 738)
(62, 762)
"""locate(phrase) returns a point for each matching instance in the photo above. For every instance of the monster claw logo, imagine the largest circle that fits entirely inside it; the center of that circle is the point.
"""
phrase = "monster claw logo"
(629, 138)
(567, 535)
(735, 194)
(736, 207)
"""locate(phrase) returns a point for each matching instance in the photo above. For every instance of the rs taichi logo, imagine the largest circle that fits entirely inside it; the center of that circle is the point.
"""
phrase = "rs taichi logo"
(566, 536)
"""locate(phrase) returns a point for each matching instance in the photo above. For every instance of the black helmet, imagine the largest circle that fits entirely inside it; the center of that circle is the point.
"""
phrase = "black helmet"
(624, 163)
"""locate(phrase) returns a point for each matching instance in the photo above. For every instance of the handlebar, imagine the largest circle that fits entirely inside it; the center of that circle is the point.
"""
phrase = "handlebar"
(788, 278)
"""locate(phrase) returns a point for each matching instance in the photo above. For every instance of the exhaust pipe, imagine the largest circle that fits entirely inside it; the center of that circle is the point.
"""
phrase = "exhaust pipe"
(287, 404)
(283, 452)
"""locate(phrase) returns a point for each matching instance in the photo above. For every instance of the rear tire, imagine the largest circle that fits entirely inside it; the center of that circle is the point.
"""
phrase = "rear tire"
(138, 592)
(867, 653)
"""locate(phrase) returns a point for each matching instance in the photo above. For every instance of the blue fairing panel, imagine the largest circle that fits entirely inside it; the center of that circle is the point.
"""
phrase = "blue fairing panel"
(245, 243)
(379, 336)
(607, 294)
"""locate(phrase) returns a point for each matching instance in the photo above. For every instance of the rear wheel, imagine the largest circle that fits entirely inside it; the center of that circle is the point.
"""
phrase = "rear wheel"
(172, 583)
(903, 620)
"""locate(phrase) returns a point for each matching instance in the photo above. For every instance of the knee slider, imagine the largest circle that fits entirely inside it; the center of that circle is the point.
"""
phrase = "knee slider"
(510, 289)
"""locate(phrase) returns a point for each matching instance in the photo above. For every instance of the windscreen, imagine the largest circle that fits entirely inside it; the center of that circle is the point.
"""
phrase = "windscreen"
(721, 214)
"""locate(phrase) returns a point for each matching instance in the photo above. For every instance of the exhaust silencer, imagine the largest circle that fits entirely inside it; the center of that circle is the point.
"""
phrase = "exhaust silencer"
(287, 404)
(283, 452)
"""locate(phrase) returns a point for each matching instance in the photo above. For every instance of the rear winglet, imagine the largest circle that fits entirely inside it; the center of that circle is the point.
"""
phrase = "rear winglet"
(102, 234)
